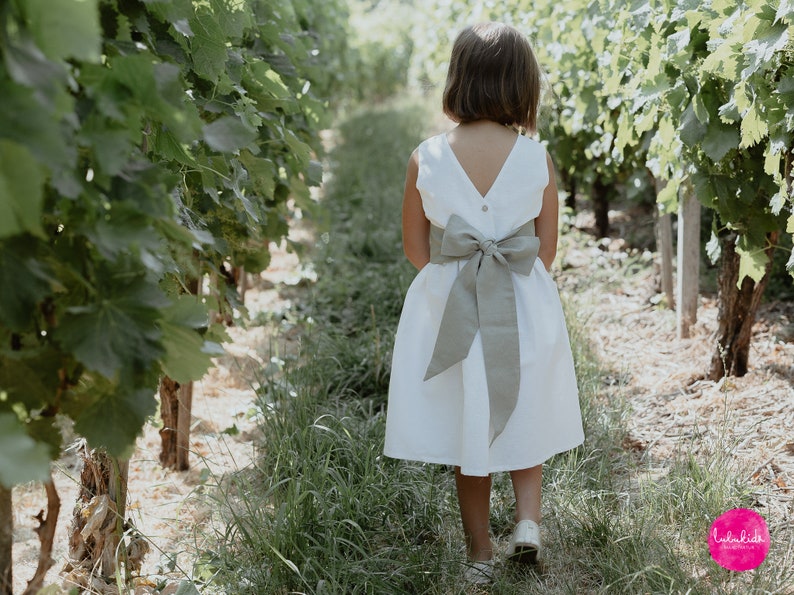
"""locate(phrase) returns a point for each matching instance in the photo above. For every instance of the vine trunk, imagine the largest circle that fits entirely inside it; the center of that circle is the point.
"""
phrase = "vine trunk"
(737, 310)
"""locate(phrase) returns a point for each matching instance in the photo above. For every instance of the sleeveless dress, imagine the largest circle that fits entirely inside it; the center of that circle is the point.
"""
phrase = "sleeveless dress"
(446, 418)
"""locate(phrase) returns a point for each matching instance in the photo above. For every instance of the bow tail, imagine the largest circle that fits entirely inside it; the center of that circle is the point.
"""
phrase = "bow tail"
(500, 345)
(459, 322)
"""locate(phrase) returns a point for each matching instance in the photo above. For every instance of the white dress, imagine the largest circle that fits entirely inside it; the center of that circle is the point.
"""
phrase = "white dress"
(446, 418)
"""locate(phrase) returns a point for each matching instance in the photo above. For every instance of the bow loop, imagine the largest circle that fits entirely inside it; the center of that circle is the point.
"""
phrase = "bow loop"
(483, 298)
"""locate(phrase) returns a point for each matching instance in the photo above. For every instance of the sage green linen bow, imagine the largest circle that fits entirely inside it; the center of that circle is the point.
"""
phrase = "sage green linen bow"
(482, 297)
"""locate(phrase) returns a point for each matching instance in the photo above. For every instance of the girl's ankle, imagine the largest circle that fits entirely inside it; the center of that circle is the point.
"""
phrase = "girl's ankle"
(483, 555)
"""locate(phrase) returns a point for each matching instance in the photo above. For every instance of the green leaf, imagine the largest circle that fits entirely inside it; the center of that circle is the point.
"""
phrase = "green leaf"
(66, 28)
(167, 145)
(752, 264)
(314, 173)
(262, 173)
(185, 358)
(228, 134)
(758, 52)
(22, 459)
(188, 311)
(299, 151)
(115, 420)
(116, 332)
(123, 232)
(208, 45)
(25, 282)
(772, 161)
(692, 130)
(668, 196)
(31, 380)
(28, 66)
(172, 11)
(21, 191)
(112, 145)
(719, 140)
(754, 127)
(777, 202)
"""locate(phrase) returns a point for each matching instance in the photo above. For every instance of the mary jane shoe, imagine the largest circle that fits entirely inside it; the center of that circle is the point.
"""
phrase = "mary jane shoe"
(524, 543)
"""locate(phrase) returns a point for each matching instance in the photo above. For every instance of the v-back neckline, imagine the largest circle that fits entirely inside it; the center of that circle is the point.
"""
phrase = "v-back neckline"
(466, 174)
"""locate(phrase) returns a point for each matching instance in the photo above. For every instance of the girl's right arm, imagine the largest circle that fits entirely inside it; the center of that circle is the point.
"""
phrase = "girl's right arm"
(416, 227)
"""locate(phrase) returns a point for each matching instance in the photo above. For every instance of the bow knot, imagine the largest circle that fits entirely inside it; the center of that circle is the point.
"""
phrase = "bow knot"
(489, 247)
(483, 298)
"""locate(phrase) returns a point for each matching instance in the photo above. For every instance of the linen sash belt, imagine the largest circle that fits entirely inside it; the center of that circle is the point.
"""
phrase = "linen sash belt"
(483, 298)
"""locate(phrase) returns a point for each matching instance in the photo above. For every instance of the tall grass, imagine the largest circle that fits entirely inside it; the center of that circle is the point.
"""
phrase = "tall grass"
(322, 511)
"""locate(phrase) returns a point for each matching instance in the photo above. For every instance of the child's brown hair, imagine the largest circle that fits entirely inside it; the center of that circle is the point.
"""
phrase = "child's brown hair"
(493, 75)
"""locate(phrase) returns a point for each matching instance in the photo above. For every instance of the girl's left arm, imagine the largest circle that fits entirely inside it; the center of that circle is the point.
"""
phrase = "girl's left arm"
(547, 221)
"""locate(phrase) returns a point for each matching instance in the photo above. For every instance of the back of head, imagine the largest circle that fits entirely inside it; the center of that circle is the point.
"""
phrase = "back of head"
(493, 75)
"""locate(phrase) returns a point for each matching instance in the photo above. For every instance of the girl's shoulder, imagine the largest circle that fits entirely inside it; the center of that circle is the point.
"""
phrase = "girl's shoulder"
(533, 143)
(433, 141)
(431, 148)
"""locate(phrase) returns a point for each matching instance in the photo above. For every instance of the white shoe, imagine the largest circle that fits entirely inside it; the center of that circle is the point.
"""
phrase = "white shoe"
(525, 543)
(479, 572)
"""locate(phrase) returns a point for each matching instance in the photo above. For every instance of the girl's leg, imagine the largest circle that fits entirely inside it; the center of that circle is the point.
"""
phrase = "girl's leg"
(526, 485)
(474, 498)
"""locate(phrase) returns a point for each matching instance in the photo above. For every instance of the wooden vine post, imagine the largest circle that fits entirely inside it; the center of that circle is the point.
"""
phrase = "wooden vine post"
(688, 260)
(176, 401)
(664, 246)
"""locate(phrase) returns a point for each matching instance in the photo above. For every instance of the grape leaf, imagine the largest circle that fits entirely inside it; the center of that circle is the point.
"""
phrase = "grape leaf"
(184, 358)
(752, 264)
(754, 127)
(691, 130)
(25, 282)
(33, 380)
(22, 459)
(21, 191)
(208, 45)
(66, 29)
(188, 311)
(115, 419)
(117, 331)
(719, 140)
(228, 134)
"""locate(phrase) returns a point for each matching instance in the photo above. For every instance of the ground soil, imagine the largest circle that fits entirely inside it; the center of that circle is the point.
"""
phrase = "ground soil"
(673, 409)
(612, 283)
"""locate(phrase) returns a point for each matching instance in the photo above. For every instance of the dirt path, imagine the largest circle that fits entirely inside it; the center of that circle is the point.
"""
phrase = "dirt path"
(673, 409)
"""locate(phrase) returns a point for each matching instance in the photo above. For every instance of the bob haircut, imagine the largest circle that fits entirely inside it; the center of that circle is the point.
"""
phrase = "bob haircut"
(493, 75)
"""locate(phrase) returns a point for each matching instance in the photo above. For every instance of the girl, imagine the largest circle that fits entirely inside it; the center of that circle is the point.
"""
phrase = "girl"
(482, 374)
